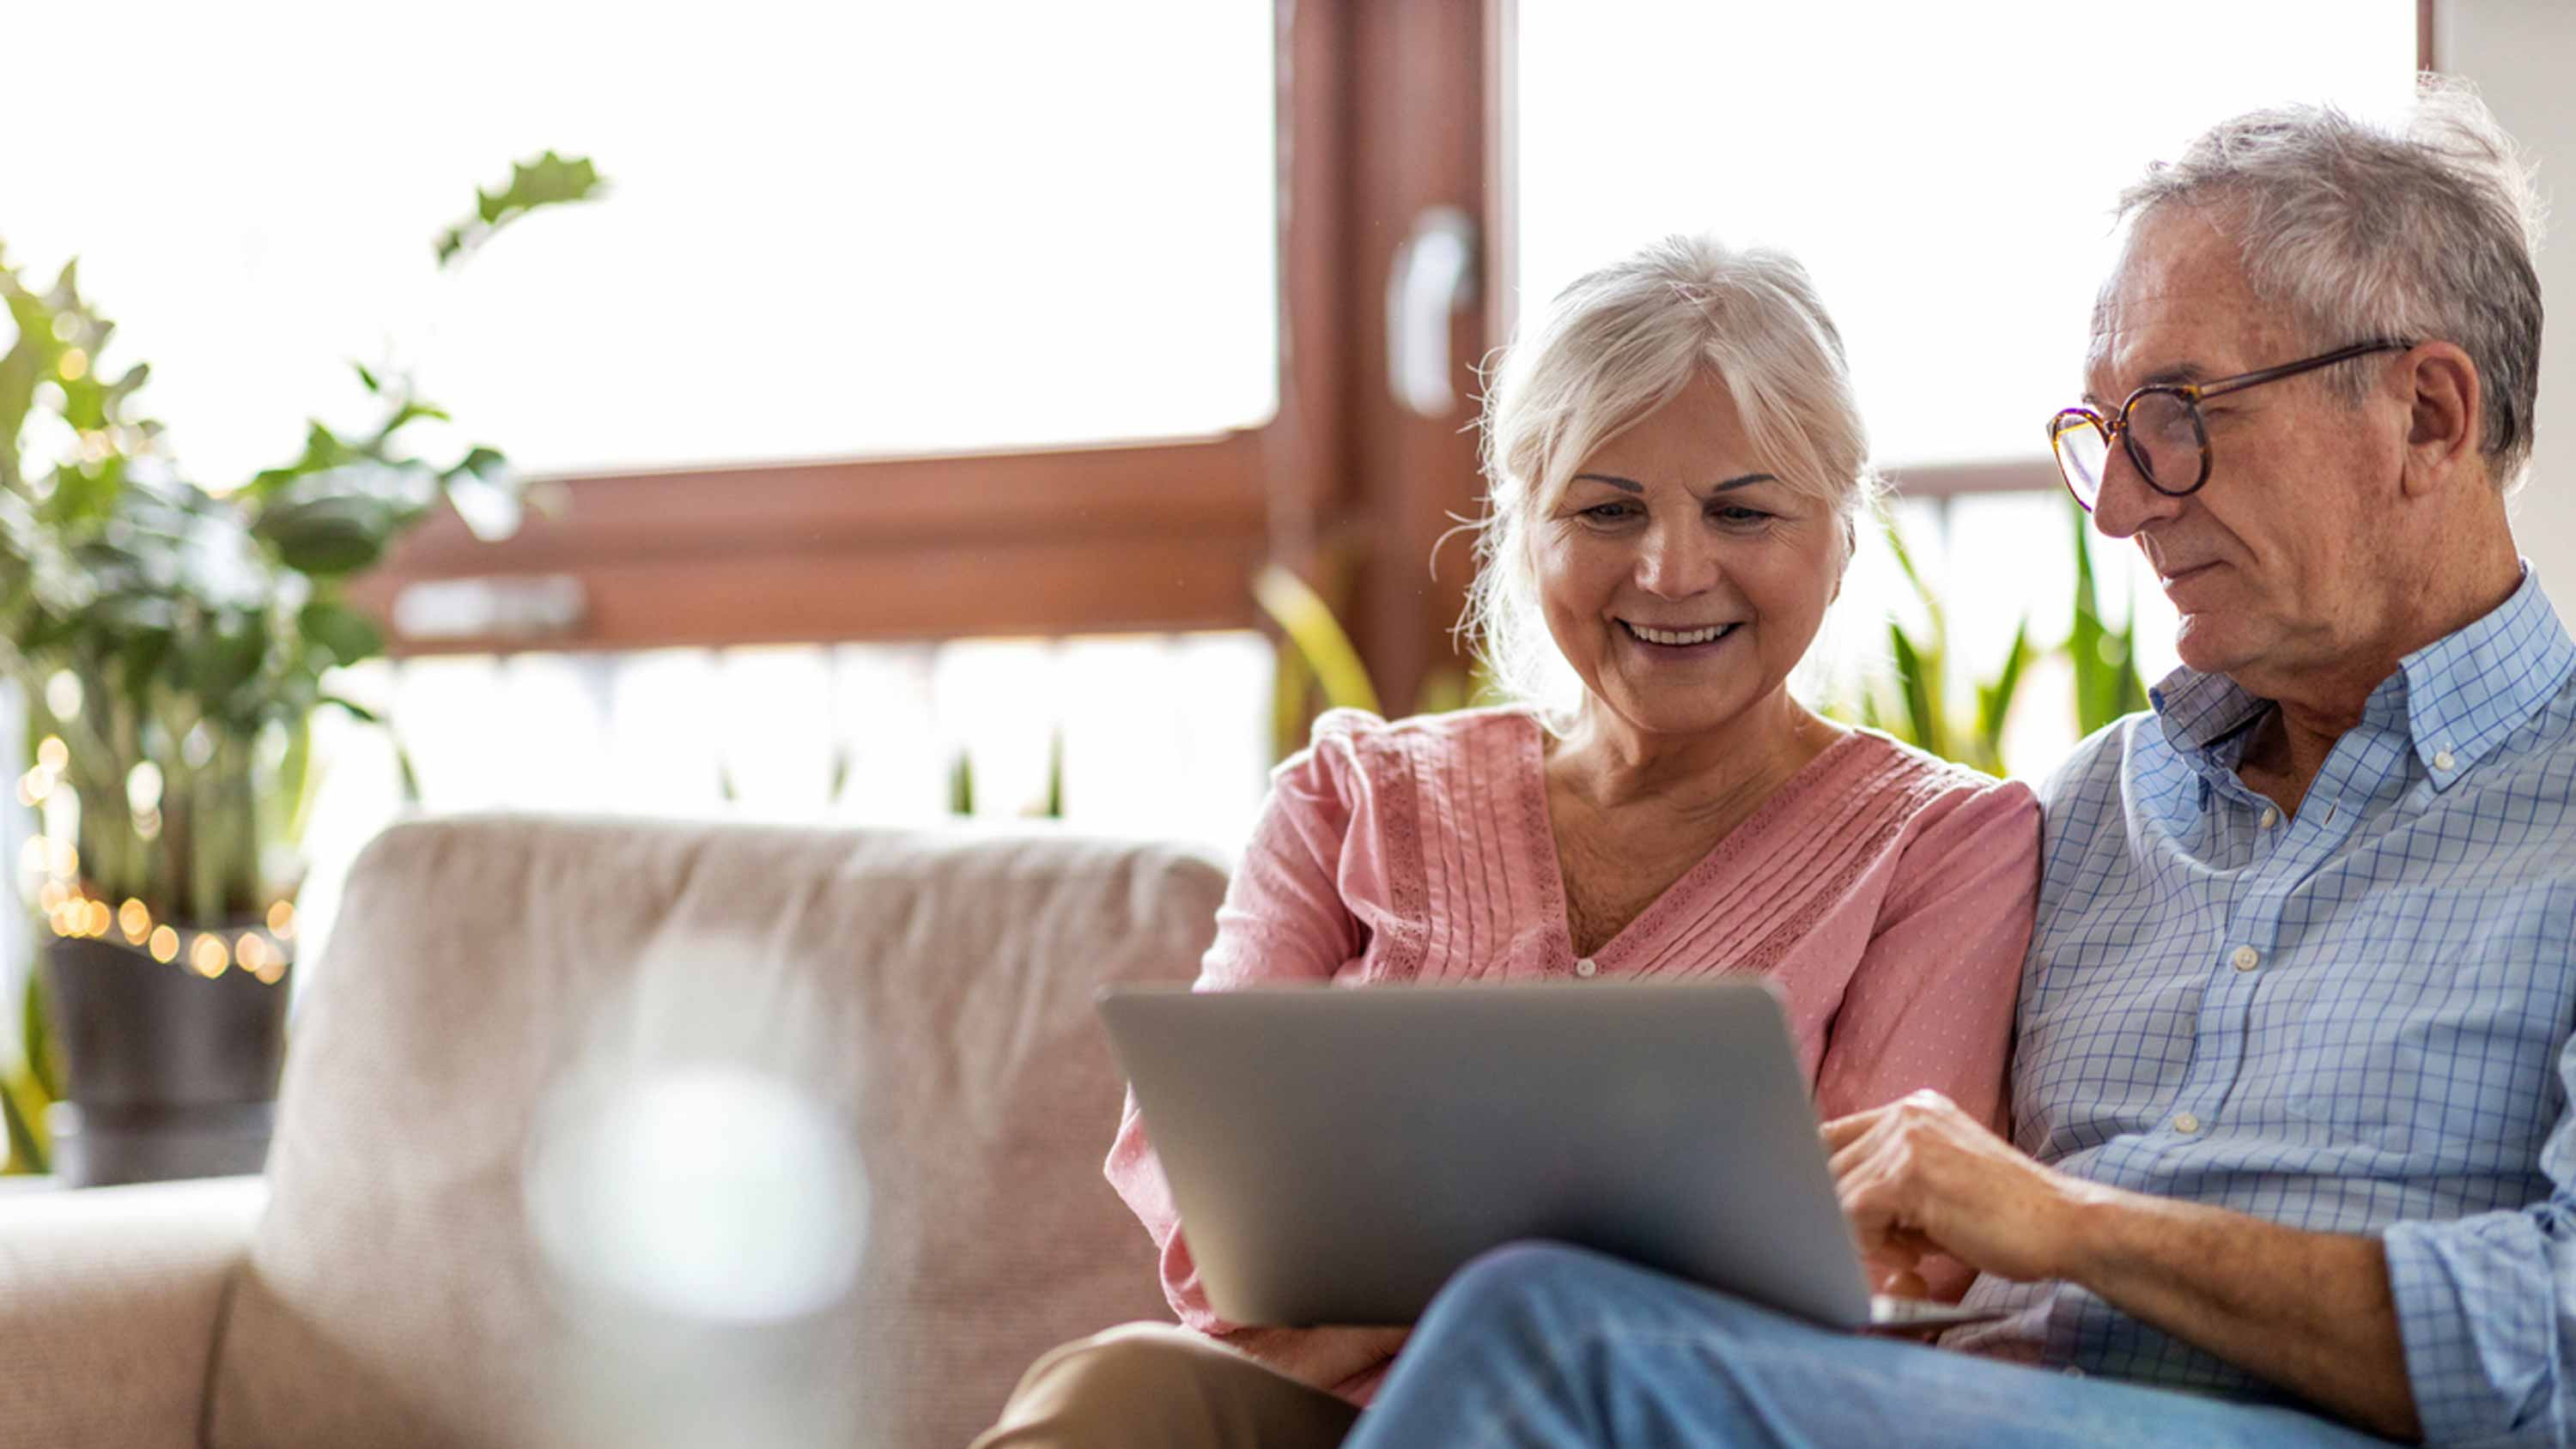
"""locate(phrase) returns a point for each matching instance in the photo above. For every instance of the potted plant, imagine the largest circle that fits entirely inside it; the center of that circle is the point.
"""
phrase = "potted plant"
(171, 643)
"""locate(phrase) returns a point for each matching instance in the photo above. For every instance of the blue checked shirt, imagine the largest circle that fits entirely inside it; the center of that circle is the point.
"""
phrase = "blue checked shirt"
(2356, 1020)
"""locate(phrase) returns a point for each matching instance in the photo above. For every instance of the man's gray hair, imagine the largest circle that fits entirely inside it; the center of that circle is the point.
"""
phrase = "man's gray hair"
(2423, 230)
(1614, 346)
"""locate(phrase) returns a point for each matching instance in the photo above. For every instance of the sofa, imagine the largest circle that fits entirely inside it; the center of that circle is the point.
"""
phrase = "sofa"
(928, 993)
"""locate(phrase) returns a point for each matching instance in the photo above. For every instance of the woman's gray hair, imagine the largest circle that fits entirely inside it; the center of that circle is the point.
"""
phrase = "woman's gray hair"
(2423, 230)
(1614, 346)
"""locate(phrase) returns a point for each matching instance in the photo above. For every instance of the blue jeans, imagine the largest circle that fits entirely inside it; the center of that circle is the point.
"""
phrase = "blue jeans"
(1546, 1347)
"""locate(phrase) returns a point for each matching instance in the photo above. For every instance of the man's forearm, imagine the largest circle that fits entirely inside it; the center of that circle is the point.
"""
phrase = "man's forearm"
(2311, 1312)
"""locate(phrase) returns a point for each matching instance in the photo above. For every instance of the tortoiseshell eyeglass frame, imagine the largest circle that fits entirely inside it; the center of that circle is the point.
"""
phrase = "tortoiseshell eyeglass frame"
(2191, 393)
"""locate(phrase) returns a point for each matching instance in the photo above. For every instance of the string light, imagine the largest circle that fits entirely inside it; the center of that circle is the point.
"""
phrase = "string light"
(73, 915)
(207, 957)
(143, 786)
(53, 754)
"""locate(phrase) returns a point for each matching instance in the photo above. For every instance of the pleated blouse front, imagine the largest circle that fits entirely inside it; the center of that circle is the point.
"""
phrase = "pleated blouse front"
(1887, 892)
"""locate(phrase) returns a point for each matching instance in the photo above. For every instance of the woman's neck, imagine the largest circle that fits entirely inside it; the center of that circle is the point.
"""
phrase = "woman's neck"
(1609, 763)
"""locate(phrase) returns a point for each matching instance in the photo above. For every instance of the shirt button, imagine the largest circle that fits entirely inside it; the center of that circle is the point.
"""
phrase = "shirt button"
(2271, 817)
(2442, 760)
(2245, 958)
(1586, 968)
(2186, 1124)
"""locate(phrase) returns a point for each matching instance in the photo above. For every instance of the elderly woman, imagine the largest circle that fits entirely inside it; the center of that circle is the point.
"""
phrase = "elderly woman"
(1675, 473)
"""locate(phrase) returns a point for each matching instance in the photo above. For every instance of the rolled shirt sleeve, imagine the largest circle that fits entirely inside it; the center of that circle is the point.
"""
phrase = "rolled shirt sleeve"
(2486, 1306)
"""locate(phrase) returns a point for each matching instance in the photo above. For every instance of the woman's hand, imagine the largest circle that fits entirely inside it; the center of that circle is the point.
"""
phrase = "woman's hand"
(1321, 1357)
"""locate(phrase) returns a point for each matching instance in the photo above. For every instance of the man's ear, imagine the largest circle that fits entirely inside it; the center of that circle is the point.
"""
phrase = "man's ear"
(2445, 409)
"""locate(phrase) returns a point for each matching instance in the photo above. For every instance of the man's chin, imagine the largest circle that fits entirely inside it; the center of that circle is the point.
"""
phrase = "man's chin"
(2207, 646)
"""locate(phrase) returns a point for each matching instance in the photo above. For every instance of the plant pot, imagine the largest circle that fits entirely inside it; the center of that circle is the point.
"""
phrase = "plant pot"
(167, 1074)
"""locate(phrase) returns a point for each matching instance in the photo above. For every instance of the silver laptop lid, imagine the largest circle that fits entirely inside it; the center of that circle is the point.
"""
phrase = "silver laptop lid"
(1337, 1154)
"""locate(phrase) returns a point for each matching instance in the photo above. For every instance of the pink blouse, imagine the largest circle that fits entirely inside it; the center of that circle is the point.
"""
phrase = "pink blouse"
(1888, 892)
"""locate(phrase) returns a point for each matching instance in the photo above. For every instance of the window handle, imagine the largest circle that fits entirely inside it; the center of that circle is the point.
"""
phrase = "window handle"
(1433, 278)
(535, 607)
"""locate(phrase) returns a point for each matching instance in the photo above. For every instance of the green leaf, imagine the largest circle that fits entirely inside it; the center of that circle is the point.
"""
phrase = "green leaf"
(25, 1092)
(479, 462)
(2107, 686)
(352, 708)
(1994, 701)
(331, 535)
(1053, 807)
(408, 772)
(340, 631)
(217, 665)
(547, 180)
(1307, 623)
(43, 1058)
(323, 451)
(406, 415)
(487, 493)
(1923, 721)
(1292, 688)
(367, 377)
(25, 1151)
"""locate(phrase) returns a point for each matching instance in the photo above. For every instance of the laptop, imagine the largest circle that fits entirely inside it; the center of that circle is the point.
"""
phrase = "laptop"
(1337, 1154)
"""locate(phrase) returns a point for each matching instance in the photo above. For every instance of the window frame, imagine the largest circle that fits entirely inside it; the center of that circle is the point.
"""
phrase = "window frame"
(1385, 110)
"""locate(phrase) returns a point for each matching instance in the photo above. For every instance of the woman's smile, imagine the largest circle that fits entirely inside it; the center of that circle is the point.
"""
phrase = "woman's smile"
(1681, 643)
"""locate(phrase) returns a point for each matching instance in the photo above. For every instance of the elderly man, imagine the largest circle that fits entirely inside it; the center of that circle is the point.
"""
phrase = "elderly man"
(2294, 1161)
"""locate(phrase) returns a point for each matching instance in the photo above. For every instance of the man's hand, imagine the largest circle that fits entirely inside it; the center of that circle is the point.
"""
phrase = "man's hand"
(2307, 1310)
(1919, 1175)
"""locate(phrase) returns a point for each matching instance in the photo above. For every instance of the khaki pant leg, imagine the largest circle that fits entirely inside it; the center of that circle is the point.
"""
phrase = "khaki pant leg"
(1155, 1386)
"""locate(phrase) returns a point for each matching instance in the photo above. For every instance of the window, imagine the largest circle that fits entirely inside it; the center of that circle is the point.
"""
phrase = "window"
(1948, 180)
(834, 231)
(1035, 255)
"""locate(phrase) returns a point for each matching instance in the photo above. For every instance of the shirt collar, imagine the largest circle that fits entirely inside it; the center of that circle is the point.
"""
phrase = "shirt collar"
(2455, 697)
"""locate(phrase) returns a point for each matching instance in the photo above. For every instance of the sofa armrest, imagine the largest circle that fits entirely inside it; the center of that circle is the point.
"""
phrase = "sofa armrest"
(109, 1304)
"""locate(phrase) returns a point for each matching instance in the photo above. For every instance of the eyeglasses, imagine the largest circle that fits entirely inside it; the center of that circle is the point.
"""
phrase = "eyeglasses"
(2160, 426)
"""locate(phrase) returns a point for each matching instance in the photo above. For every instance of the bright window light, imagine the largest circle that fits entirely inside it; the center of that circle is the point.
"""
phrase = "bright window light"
(1946, 172)
(835, 230)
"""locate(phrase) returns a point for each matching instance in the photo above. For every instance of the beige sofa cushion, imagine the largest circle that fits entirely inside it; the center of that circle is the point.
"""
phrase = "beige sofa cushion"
(930, 990)
(108, 1305)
